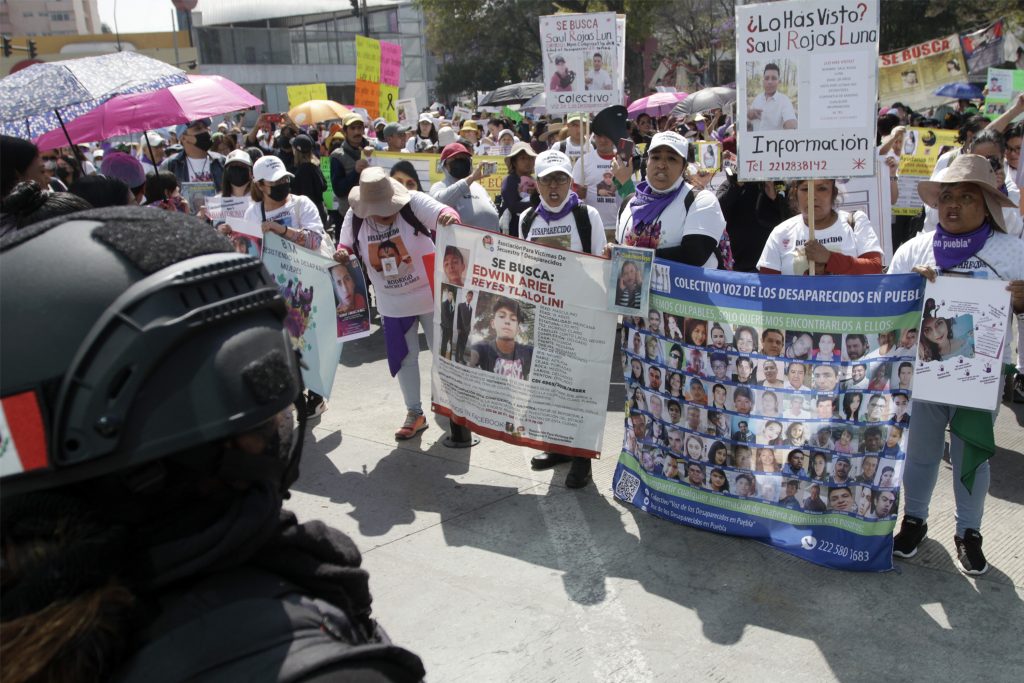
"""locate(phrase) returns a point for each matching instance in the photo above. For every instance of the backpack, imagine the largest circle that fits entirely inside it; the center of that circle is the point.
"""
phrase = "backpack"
(579, 214)
(405, 212)
(248, 623)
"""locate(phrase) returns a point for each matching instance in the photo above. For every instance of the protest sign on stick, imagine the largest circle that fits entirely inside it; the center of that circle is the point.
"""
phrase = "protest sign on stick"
(368, 67)
(1003, 87)
(583, 71)
(806, 77)
(390, 77)
(522, 341)
(922, 148)
(298, 94)
(762, 406)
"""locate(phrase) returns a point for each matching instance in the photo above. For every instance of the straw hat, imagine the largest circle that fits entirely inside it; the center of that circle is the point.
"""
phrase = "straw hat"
(552, 129)
(520, 147)
(377, 194)
(969, 168)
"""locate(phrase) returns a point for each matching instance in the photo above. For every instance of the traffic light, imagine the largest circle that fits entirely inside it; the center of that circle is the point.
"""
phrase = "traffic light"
(355, 7)
(7, 46)
(32, 52)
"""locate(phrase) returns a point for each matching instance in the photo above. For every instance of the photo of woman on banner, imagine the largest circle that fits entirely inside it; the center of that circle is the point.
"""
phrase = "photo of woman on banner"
(563, 79)
(627, 289)
(695, 332)
(945, 337)
(844, 244)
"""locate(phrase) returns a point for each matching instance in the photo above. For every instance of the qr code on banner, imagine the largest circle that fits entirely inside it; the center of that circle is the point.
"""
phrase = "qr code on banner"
(660, 280)
(627, 486)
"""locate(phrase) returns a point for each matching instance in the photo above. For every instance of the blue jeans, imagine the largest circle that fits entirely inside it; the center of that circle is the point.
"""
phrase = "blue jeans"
(409, 374)
(924, 454)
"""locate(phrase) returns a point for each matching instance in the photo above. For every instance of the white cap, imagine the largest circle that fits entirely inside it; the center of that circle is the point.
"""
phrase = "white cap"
(445, 136)
(552, 161)
(671, 139)
(426, 116)
(155, 139)
(270, 169)
(506, 131)
(239, 155)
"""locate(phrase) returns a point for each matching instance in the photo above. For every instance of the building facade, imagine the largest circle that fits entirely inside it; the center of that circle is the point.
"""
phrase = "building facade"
(49, 17)
(254, 46)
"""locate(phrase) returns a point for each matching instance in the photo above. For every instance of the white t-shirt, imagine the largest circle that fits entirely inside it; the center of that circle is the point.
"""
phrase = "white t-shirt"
(780, 249)
(569, 149)
(563, 233)
(704, 218)
(298, 213)
(1002, 258)
(775, 111)
(594, 172)
(401, 283)
(600, 80)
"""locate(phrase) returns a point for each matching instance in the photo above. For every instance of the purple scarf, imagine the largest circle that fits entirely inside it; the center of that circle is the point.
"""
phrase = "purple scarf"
(646, 207)
(551, 216)
(951, 250)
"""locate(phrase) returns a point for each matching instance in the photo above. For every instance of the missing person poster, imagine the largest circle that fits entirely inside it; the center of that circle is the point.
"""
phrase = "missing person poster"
(219, 208)
(523, 342)
(629, 280)
(350, 300)
(962, 341)
(1003, 87)
(302, 276)
(913, 74)
(197, 193)
(922, 148)
(582, 69)
(983, 48)
(773, 407)
(806, 78)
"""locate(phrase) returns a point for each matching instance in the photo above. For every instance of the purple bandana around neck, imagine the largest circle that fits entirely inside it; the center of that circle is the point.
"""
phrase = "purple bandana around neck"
(647, 205)
(951, 250)
(550, 216)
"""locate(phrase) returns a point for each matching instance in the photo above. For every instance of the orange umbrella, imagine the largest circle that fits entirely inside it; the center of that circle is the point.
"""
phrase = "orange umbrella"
(316, 111)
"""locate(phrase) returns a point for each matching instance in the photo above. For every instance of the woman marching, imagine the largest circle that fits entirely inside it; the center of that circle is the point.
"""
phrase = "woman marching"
(379, 207)
(562, 220)
(969, 241)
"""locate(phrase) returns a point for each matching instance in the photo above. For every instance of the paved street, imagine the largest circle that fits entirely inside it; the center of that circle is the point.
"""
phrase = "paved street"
(493, 572)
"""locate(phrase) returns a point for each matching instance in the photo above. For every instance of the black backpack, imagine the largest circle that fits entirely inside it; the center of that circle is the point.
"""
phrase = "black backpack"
(579, 214)
(251, 625)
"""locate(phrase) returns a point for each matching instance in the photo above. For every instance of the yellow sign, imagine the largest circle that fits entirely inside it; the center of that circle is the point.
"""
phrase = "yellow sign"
(367, 59)
(429, 170)
(299, 94)
(389, 102)
(922, 147)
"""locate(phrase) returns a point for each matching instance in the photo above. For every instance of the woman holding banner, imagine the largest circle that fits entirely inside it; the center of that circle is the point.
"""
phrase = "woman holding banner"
(970, 240)
(383, 210)
(852, 246)
(562, 220)
(681, 222)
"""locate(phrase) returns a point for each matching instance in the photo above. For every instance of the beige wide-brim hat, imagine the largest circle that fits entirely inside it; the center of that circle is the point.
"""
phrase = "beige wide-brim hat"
(553, 129)
(969, 168)
(520, 147)
(377, 194)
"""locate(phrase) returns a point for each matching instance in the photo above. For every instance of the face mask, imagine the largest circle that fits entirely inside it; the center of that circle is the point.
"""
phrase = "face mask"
(203, 141)
(238, 176)
(280, 192)
(460, 168)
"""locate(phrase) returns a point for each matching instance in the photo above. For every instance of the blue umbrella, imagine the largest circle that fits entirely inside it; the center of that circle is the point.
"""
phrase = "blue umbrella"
(960, 91)
(44, 96)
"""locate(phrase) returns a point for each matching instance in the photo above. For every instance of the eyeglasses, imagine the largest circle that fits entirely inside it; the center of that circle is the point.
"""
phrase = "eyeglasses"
(554, 180)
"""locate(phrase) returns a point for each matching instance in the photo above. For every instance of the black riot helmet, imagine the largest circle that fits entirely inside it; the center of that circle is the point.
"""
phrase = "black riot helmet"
(130, 335)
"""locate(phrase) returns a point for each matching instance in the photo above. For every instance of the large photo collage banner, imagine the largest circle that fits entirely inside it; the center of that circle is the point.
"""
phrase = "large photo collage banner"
(773, 407)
